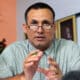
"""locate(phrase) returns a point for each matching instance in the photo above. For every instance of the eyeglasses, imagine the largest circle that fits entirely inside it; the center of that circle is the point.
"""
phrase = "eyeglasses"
(35, 27)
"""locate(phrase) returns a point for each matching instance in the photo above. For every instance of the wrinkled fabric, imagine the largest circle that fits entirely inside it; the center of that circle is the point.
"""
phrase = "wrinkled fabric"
(66, 53)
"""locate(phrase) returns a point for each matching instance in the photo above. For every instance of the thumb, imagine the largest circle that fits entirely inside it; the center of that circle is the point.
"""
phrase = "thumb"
(42, 70)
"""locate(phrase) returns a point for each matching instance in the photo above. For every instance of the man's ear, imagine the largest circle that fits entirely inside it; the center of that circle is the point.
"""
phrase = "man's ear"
(55, 30)
(25, 28)
(54, 26)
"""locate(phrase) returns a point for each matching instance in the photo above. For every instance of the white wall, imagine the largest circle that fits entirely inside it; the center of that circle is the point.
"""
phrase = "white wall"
(62, 8)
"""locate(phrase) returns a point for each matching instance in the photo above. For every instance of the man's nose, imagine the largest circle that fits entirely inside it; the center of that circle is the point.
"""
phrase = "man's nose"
(40, 29)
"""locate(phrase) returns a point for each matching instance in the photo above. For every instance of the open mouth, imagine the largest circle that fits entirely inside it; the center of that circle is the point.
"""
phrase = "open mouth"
(40, 38)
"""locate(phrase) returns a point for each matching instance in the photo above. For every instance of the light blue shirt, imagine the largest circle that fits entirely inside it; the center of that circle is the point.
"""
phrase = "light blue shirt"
(66, 53)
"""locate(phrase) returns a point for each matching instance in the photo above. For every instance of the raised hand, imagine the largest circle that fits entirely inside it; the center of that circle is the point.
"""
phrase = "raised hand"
(31, 63)
(53, 72)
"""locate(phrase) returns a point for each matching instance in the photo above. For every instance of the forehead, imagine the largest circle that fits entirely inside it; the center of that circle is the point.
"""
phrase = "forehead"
(40, 14)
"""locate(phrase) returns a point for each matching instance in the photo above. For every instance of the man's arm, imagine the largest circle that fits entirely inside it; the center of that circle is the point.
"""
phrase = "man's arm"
(17, 77)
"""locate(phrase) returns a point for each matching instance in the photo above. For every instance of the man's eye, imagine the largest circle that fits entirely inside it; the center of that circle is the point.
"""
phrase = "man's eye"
(46, 24)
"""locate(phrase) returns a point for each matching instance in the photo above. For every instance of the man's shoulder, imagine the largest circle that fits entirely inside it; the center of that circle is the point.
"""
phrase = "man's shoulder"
(64, 42)
(17, 46)
(67, 47)
(19, 43)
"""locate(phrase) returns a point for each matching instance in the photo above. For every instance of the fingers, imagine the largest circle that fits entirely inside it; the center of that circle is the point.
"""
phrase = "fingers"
(33, 58)
(54, 67)
(35, 52)
(46, 72)
(31, 63)
(53, 77)
(53, 72)
(49, 74)
(52, 62)
(42, 70)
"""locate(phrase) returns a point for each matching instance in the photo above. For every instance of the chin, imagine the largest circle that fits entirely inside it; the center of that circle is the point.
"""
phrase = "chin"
(41, 46)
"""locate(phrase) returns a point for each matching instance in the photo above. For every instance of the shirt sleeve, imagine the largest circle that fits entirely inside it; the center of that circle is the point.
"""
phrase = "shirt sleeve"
(6, 63)
(75, 58)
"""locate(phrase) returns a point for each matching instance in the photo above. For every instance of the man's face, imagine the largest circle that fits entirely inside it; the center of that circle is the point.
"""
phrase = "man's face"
(41, 38)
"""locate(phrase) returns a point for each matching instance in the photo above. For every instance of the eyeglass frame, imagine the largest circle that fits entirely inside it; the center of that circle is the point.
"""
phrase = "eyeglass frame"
(48, 26)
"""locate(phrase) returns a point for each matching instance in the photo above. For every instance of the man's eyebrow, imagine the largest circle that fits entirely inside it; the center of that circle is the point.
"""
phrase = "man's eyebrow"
(34, 21)
(46, 21)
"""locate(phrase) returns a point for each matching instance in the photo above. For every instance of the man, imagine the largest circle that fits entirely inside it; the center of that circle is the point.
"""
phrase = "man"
(41, 57)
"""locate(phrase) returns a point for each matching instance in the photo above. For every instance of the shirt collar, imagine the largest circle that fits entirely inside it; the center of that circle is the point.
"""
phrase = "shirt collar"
(47, 51)
(50, 49)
